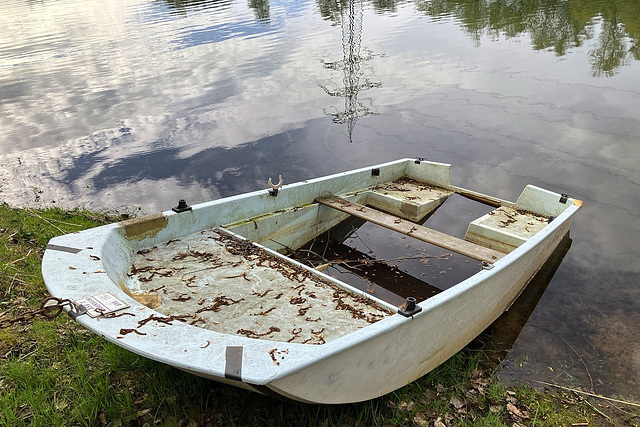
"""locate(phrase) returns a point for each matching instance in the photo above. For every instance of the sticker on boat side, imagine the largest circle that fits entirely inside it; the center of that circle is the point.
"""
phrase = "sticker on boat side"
(101, 304)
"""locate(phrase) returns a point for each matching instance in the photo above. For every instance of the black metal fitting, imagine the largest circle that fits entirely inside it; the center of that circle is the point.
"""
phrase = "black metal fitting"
(77, 311)
(182, 207)
(486, 265)
(375, 172)
(419, 159)
(551, 218)
(564, 197)
(410, 308)
(274, 192)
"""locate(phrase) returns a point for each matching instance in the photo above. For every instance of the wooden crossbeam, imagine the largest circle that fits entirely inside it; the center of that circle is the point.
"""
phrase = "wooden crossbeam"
(419, 232)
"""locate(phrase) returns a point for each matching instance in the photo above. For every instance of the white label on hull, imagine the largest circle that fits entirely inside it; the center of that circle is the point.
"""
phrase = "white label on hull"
(101, 304)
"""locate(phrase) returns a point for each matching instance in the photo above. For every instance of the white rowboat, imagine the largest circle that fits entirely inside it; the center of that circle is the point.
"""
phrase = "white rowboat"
(206, 290)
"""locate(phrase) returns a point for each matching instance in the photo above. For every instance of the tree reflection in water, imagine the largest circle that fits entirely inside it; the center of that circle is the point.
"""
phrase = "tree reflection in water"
(556, 25)
(182, 7)
(261, 9)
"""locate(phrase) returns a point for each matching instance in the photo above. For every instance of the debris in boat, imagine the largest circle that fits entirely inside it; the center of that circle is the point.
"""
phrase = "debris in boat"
(251, 334)
(243, 275)
(274, 353)
(355, 313)
(188, 281)
(296, 334)
(159, 271)
(198, 320)
(125, 331)
(206, 345)
(94, 257)
(219, 302)
(165, 320)
(181, 298)
(112, 315)
(273, 357)
(265, 312)
(262, 295)
(405, 185)
(302, 311)
(215, 265)
(316, 339)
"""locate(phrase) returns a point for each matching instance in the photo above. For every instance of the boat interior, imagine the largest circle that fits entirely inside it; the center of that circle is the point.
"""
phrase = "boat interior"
(314, 272)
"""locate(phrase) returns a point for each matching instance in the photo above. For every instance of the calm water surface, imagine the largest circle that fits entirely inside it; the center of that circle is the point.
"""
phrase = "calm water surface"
(136, 103)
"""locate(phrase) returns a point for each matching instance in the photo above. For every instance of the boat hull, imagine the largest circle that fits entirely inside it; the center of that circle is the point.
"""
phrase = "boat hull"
(366, 363)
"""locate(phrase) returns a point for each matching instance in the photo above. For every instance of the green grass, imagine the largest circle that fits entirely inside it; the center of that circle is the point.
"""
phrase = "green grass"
(53, 372)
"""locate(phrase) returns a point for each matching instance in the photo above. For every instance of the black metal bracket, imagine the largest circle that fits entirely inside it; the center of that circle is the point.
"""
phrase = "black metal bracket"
(375, 172)
(274, 192)
(551, 218)
(486, 265)
(563, 198)
(410, 308)
(182, 207)
(419, 159)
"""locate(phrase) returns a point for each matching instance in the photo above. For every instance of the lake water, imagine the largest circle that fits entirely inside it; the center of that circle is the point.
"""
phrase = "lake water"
(137, 103)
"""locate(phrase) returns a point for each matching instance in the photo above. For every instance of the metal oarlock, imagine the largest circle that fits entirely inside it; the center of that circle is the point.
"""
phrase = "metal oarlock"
(182, 206)
(275, 188)
(410, 308)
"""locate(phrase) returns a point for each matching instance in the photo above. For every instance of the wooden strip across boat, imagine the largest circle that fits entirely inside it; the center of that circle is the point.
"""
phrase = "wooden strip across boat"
(208, 290)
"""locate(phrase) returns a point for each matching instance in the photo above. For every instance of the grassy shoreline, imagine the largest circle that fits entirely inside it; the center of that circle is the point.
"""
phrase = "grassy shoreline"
(53, 372)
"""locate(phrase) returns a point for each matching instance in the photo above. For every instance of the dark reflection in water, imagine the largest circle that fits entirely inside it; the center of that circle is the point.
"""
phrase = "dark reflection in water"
(183, 6)
(551, 25)
(554, 25)
(500, 337)
(351, 24)
(261, 9)
(141, 103)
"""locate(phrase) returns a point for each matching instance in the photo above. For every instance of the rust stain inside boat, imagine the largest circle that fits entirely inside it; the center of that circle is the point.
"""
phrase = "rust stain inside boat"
(144, 227)
(151, 300)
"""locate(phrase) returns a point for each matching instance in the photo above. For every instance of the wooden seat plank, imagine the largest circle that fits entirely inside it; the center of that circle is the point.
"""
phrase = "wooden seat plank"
(408, 228)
